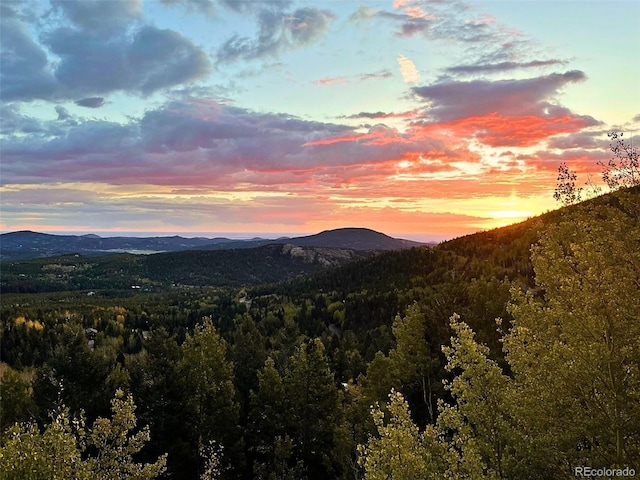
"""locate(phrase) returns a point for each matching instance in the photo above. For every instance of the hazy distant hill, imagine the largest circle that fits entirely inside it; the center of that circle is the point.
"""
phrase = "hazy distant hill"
(24, 245)
(27, 244)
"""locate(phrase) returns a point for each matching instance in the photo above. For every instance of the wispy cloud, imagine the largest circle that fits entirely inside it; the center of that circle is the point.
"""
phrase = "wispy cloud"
(380, 74)
(503, 66)
(408, 70)
(381, 115)
(331, 81)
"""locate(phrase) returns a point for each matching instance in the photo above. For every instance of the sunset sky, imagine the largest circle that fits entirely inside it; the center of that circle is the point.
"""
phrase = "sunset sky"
(419, 119)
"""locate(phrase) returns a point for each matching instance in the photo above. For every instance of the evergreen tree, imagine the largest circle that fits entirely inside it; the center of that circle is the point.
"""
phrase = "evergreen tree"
(211, 411)
(312, 408)
(155, 383)
(269, 443)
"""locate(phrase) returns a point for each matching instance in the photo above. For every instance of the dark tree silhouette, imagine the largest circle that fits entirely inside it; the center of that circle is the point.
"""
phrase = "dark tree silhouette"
(622, 170)
(566, 191)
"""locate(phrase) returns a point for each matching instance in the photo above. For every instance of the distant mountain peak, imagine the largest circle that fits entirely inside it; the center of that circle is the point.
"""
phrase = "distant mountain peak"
(354, 237)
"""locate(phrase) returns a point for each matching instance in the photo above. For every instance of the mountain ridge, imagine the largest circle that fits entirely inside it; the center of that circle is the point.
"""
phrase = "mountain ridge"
(28, 244)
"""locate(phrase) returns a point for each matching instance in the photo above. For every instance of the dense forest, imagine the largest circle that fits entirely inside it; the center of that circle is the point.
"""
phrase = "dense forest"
(508, 354)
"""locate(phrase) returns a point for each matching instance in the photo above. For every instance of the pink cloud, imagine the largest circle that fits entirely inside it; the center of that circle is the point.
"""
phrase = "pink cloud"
(331, 81)
(417, 12)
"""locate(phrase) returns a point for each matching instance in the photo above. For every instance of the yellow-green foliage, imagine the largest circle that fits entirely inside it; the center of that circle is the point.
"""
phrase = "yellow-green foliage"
(400, 451)
(58, 452)
(572, 396)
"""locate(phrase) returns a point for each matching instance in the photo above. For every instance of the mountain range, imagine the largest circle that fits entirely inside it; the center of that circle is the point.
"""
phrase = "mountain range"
(24, 245)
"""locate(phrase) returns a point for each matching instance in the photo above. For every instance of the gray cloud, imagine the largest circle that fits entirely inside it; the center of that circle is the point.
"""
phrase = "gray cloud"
(278, 32)
(369, 115)
(150, 60)
(407, 25)
(184, 142)
(413, 26)
(206, 7)
(19, 129)
(210, 7)
(100, 15)
(24, 67)
(380, 115)
(63, 113)
(581, 140)
(165, 58)
(248, 7)
(90, 102)
(455, 100)
(503, 66)
(93, 62)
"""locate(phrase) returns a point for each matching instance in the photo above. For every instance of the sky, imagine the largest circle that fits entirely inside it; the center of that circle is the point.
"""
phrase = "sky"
(421, 119)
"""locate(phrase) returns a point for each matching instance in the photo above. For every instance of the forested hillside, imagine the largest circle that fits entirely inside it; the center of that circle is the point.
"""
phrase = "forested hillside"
(263, 380)
(164, 271)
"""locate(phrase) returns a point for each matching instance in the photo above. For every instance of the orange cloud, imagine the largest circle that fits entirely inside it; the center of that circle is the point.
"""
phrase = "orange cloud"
(497, 130)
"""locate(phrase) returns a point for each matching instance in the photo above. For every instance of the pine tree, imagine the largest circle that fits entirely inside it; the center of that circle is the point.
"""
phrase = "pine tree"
(211, 411)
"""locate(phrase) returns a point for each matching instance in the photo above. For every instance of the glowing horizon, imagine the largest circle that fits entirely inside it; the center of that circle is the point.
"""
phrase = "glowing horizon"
(416, 119)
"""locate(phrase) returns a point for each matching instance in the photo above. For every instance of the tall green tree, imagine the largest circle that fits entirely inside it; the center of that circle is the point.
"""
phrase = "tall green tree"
(471, 437)
(412, 359)
(312, 408)
(156, 384)
(478, 425)
(213, 411)
(248, 354)
(269, 443)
